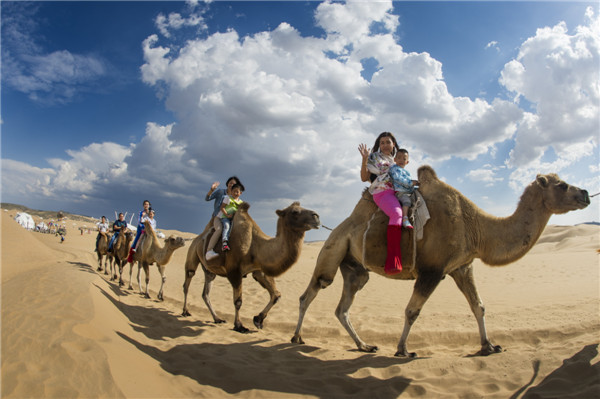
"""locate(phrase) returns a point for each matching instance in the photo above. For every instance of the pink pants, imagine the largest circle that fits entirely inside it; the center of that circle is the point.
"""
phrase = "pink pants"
(388, 203)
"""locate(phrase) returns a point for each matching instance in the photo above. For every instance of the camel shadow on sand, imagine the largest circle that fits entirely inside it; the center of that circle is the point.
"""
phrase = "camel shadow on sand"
(84, 267)
(286, 368)
(154, 323)
(576, 378)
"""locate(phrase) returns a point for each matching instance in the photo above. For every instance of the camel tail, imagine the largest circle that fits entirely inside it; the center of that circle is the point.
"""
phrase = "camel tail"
(426, 174)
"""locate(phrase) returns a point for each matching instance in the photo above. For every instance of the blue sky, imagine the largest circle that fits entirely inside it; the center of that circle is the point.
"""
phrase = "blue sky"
(105, 104)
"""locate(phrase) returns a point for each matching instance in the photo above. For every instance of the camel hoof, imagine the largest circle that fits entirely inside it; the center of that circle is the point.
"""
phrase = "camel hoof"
(130, 288)
(161, 298)
(185, 313)
(296, 339)
(369, 349)
(121, 284)
(410, 355)
(147, 296)
(241, 329)
(258, 321)
(106, 273)
(489, 349)
(99, 269)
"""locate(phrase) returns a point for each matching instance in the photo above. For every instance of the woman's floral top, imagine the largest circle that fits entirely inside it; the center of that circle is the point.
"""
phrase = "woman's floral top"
(379, 164)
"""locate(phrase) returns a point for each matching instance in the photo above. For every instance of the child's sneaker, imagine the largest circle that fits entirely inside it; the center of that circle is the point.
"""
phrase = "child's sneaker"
(406, 224)
(225, 246)
(211, 255)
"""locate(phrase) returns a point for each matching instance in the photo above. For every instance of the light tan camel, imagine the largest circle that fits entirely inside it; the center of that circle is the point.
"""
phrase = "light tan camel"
(102, 250)
(118, 256)
(457, 233)
(252, 251)
(150, 251)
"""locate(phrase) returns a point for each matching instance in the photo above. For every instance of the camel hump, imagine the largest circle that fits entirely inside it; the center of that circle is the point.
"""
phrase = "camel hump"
(426, 174)
(244, 206)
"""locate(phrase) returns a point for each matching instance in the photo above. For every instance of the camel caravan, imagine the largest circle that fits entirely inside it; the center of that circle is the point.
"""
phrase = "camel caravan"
(455, 233)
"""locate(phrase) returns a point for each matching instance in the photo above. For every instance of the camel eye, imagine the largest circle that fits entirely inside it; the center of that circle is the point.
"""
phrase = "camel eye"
(563, 186)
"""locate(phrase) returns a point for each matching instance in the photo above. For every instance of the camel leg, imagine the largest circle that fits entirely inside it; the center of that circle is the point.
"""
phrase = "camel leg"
(427, 281)
(235, 278)
(139, 270)
(130, 275)
(191, 265)
(147, 272)
(121, 267)
(323, 275)
(106, 265)
(463, 277)
(161, 270)
(267, 283)
(113, 267)
(355, 277)
(99, 261)
(208, 280)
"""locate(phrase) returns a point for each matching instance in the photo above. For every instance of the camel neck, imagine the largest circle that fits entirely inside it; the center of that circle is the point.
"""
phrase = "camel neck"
(505, 240)
(284, 249)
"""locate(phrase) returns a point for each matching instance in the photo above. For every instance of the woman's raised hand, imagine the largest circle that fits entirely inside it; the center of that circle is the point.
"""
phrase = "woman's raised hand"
(364, 151)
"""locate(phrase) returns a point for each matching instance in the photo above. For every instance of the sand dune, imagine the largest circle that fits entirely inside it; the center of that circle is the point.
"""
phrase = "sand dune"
(69, 332)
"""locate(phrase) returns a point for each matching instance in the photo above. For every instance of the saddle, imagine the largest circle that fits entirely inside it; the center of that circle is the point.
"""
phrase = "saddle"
(375, 253)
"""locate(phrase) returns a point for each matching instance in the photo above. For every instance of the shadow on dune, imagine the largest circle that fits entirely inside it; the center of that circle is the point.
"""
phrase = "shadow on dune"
(84, 267)
(153, 322)
(576, 378)
(284, 368)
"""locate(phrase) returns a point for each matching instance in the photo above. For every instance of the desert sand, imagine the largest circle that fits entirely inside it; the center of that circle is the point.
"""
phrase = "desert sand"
(69, 332)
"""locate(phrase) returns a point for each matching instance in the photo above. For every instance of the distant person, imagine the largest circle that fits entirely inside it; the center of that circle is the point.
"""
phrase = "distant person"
(404, 186)
(229, 206)
(102, 228)
(118, 226)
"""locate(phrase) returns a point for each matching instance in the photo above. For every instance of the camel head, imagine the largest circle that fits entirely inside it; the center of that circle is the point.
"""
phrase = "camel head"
(294, 217)
(173, 242)
(559, 197)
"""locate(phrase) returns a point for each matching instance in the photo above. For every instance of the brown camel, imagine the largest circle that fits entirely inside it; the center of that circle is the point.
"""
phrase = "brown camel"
(252, 251)
(102, 251)
(457, 233)
(150, 251)
(119, 253)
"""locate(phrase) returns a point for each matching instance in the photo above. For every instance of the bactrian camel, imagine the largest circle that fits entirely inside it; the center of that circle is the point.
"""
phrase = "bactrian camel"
(118, 256)
(252, 251)
(102, 250)
(457, 233)
(150, 251)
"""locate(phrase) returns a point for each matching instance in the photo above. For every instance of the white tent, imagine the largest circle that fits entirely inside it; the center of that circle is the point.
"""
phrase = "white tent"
(42, 227)
(25, 220)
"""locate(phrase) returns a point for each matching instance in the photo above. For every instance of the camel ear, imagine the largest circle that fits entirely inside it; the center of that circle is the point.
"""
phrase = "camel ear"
(279, 212)
(542, 180)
